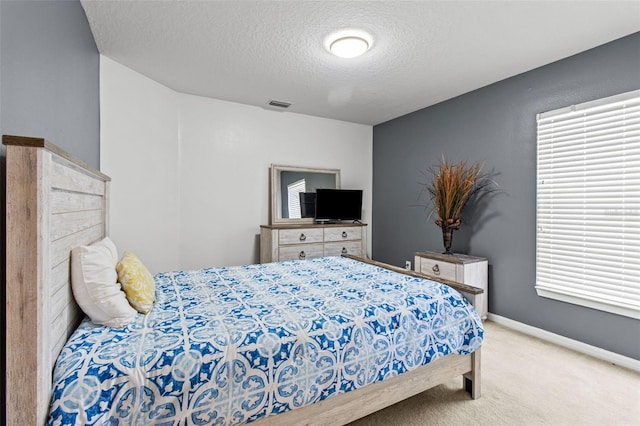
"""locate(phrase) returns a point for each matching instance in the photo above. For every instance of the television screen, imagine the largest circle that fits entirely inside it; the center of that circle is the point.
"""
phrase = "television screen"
(338, 204)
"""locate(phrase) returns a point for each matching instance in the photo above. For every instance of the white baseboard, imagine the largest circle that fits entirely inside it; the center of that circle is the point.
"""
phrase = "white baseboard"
(594, 351)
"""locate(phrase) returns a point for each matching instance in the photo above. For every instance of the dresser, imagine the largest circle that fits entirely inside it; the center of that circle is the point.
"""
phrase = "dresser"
(470, 270)
(306, 241)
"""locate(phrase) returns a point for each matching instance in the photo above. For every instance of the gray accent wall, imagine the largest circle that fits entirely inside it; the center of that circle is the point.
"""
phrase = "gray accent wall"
(496, 125)
(50, 72)
(49, 88)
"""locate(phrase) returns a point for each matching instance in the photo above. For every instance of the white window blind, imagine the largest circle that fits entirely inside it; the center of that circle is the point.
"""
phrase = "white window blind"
(293, 192)
(588, 204)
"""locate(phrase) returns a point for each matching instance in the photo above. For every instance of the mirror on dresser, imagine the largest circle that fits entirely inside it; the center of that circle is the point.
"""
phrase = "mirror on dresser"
(286, 184)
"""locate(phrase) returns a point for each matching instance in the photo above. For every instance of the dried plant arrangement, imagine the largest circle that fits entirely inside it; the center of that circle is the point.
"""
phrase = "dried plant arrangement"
(451, 187)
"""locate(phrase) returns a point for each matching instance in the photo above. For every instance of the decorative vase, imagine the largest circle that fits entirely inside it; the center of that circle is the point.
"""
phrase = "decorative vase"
(447, 238)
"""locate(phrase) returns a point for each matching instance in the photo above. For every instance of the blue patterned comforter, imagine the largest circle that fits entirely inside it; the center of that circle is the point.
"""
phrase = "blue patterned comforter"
(235, 344)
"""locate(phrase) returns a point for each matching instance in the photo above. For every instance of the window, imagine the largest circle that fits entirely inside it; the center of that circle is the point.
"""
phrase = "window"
(293, 193)
(588, 204)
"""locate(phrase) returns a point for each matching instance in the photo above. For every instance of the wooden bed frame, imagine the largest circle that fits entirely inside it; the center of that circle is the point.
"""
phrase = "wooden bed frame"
(56, 202)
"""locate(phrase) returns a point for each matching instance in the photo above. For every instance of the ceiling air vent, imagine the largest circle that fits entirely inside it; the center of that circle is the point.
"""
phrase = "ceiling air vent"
(279, 104)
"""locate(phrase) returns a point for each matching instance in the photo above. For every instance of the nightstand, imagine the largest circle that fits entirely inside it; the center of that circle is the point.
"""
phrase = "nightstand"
(470, 270)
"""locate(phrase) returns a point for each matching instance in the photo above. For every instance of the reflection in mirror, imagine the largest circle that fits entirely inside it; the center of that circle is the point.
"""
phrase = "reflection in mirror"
(293, 192)
(298, 190)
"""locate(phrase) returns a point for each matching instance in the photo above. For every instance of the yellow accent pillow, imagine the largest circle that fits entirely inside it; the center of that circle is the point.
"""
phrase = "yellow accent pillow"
(137, 283)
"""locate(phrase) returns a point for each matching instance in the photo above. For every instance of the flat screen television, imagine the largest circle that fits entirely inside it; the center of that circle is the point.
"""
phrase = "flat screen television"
(335, 205)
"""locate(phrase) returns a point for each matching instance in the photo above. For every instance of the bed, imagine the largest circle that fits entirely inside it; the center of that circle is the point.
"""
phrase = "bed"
(55, 202)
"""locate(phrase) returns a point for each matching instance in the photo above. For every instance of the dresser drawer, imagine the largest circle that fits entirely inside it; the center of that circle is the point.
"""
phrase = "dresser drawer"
(289, 242)
(300, 251)
(300, 236)
(438, 269)
(348, 247)
(343, 233)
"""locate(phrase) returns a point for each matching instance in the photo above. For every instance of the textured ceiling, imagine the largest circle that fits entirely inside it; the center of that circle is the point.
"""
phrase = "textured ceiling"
(423, 52)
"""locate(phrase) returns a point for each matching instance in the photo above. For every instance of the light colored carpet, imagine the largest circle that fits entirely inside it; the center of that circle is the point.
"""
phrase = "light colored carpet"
(526, 381)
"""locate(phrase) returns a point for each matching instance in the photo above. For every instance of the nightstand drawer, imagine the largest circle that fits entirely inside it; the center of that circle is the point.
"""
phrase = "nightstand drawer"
(301, 251)
(300, 236)
(343, 233)
(462, 268)
(348, 247)
(438, 269)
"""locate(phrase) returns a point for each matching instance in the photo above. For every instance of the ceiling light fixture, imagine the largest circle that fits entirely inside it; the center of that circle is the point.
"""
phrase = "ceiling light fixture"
(350, 46)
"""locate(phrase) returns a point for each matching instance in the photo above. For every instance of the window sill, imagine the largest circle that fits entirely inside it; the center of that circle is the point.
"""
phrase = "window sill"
(552, 293)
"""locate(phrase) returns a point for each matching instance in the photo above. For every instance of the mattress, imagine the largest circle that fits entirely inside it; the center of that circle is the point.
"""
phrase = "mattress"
(231, 345)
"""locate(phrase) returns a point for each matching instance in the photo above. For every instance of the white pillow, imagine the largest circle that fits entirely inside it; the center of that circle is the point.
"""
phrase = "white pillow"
(94, 281)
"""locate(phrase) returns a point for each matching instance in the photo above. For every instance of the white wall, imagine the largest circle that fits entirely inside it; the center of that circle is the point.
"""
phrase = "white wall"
(216, 155)
(139, 150)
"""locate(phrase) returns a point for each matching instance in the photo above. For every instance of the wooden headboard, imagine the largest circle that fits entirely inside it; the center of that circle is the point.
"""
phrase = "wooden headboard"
(54, 203)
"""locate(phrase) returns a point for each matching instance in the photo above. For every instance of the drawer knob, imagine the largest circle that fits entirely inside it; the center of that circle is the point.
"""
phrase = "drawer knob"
(344, 250)
(344, 234)
(436, 269)
(303, 237)
(302, 255)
